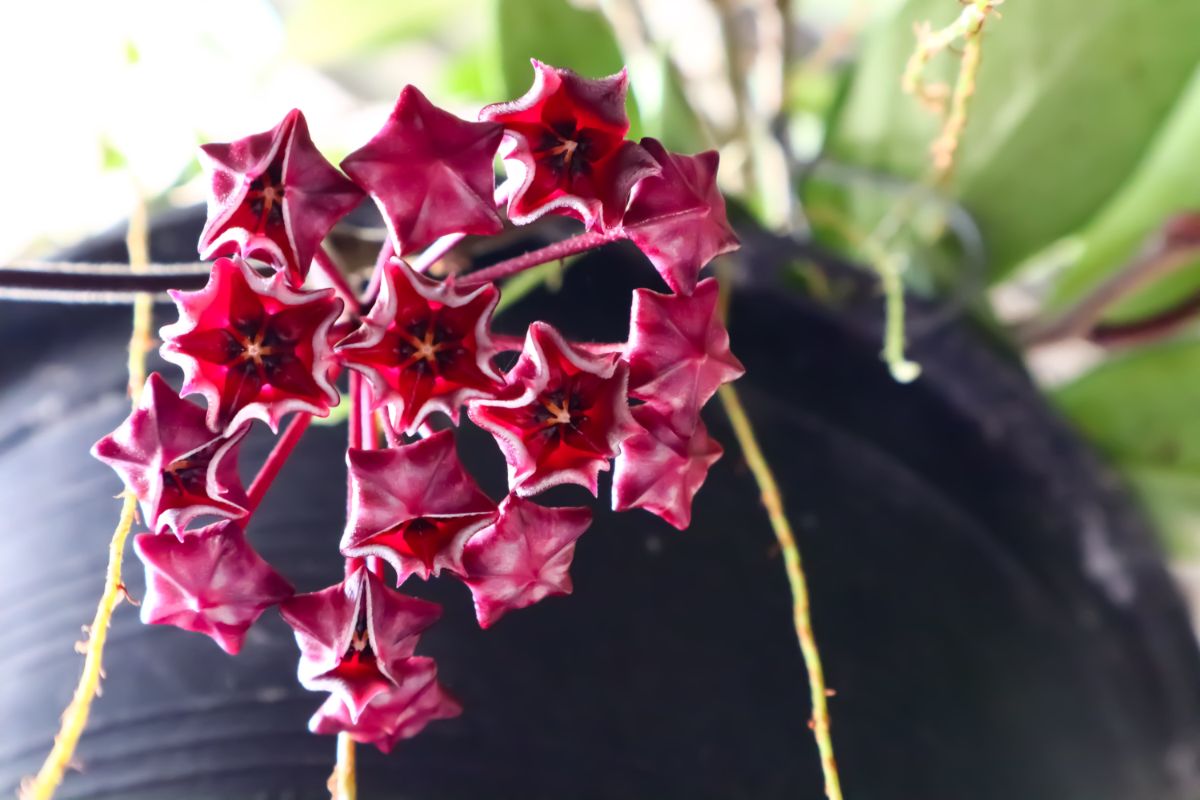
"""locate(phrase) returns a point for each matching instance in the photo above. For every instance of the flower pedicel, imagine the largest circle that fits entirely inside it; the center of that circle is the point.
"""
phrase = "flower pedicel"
(259, 343)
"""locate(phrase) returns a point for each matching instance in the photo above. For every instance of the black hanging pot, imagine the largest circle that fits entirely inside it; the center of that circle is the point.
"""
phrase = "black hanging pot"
(994, 615)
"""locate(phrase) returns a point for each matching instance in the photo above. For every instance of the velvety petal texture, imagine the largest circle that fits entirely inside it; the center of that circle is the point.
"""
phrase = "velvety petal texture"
(254, 348)
(210, 582)
(273, 196)
(523, 558)
(678, 352)
(174, 464)
(414, 506)
(424, 347)
(677, 217)
(563, 415)
(355, 636)
(660, 470)
(399, 713)
(565, 150)
(430, 173)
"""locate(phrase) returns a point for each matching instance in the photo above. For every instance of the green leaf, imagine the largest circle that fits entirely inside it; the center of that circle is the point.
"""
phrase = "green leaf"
(1069, 92)
(558, 33)
(666, 113)
(325, 31)
(1140, 409)
(1167, 180)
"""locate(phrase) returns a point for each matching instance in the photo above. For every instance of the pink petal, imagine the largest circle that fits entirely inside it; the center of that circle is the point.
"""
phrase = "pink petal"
(523, 558)
(677, 218)
(678, 352)
(429, 172)
(661, 471)
(176, 466)
(414, 506)
(211, 582)
(550, 383)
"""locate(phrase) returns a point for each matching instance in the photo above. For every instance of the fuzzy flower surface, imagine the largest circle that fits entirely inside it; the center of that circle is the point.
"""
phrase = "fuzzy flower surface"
(273, 196)
(660, 469)
(415, 506)
(355, 637)
(677, 216)
(174, 464)
(252, 347)
(429, 172)
(523, 558)
(397, 714)
(424, 347)
(562, 416)
(565, 149)
(210, 582)
(678, 353)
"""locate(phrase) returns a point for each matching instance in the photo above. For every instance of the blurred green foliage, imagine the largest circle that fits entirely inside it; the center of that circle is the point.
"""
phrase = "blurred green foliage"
(1083, 130)
(1069, 94)
(1140, 409)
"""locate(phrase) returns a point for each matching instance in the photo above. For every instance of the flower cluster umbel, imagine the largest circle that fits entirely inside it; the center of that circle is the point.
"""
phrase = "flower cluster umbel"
(260, 342)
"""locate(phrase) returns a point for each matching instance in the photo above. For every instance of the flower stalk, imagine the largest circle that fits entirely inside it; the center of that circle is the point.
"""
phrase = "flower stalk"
(772, 501)
(534, 258)
(74, 719)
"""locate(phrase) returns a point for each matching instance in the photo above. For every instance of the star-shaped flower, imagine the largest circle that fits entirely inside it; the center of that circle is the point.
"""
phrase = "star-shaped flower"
(173, 463)
(355, 636)
(565, 150)
(678, 352)
(253, 347)
(523, 558)
(430, 173)
(424, 347)
(677, 217)
(400, 713)
(660, 470)
(210, 582)
(415, 506)
(273, 196)
(562, 416)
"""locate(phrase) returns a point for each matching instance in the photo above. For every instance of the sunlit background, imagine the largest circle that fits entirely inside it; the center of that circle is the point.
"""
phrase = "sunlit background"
(1081, 143)
(105, 97)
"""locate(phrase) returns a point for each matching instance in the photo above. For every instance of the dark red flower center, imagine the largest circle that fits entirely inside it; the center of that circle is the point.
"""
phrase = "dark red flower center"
(359, 664)
(185, 480)
(422, 538)
(561, 415)
(566, 149)
(427, 347)
(265, 197)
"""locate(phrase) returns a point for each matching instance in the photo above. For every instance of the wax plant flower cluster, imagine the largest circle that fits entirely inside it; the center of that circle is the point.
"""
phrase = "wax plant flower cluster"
(261, 342)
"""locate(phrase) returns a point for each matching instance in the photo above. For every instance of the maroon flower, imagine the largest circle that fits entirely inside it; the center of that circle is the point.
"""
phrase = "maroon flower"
(678, 352)
(173, 463)
(562, 416)
(677, 216)
(210, 582)
(660, 470)
(414, 506)
(523, 558)
(565, 150)
(424, 347)
(253, 347)
(355, 636)
(430, 173)
(400, 713)
(273, 196)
